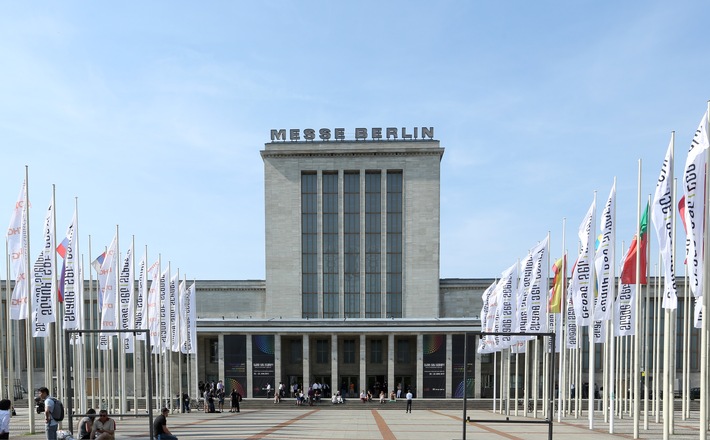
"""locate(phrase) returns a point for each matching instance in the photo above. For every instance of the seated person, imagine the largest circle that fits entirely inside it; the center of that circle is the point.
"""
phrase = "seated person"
(363, 397)
(383, 397)
(86, 423)
(393, 396)
(104, 428)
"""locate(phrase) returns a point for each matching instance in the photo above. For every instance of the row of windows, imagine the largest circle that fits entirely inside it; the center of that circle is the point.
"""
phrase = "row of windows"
(349, 354)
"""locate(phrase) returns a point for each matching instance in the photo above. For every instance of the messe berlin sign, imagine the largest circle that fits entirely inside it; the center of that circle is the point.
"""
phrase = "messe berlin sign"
(361, 134)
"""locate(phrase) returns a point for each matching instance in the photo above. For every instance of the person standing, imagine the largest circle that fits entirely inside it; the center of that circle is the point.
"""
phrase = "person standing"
(5, 413)
(236, 397)
(409, 397)
(50, 424)
(104, 428)
(160, 426)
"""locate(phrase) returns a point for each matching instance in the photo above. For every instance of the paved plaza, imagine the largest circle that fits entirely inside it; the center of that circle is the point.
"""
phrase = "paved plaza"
(364, 423)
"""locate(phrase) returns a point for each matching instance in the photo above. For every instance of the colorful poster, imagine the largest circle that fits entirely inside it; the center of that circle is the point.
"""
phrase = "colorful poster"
(434, 368)
(457, 359)
(263, 367)
(235, 363)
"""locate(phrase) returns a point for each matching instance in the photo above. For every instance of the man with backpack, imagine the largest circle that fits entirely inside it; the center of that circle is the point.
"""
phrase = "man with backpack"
(53, 413)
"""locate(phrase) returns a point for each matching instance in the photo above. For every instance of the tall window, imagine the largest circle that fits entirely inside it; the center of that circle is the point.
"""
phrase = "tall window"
(403, 351)
(373, 231)
(330, 246)
(309, 243)
(349, 351)
(394, 244)
(351, 224)
(322, 351)
(376, 351)
(296, 351)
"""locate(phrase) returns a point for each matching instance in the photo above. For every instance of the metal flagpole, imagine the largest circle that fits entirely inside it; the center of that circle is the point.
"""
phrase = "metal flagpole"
(10, 343)
(91, 341)
(28, 330)
(590, 295)
(609, 388)
(657, 343)
(133, 324)
(178, 312)
(704, 307)
(637, 347)
(646, 338)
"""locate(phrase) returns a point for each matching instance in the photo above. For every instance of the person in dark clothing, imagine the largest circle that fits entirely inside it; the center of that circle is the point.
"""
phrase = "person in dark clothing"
(160, 426)
(236, 397)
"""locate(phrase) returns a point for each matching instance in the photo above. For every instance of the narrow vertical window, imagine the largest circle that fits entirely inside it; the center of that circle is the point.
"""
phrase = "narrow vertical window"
(351, 239)
(394, 244)
(373, 234)
(309, 245)
(330, 246)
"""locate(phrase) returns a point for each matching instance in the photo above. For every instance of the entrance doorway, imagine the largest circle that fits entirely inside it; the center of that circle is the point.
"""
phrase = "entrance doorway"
(375, 384)
(403, 383)
(349, 386)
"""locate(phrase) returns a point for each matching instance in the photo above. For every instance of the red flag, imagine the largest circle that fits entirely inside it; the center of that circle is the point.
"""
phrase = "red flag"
(628, 270)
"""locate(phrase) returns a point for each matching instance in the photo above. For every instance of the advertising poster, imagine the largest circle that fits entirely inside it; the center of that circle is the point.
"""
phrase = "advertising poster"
(263, 369)
(434, 366)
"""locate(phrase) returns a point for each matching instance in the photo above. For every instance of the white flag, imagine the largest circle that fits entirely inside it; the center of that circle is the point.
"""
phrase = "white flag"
(580, 286)
(508, 285)
(483, 343)
(625, 319)
(189, 340)
(604, 260)
(694, 181)
(17, 247)
(164, 309)
(174, 337)
(537, 302)
(141, 322)
(126, 295)
(662, 218)
(107, 288)
(572, 341)
(43, 281)
(72, 308)
(154, 307)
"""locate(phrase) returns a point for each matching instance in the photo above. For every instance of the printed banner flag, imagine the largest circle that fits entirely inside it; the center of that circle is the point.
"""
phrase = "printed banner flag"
(154, 307)
(43, 281)
(559, 270)
(506, 291)
(141, 299)
(189, 341)
(68, 285)
(581, 284)
(174, 337)
(537, 302)
(483, 346)
(17, 248)
(107, 289)
(662, 217)
(604, 260)
(126, 294)
(694, 181)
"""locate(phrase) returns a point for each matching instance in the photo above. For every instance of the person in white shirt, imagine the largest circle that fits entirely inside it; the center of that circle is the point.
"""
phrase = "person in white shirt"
(409, 401)
(5, 413)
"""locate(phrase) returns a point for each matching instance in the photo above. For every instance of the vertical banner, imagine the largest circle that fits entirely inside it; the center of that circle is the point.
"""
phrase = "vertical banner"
(434, 368)
(140, 320)
(43, 281)
(174, 314)
(189, 325)
(126, 296)
(263, 368)
(457, 360)
(235, 363)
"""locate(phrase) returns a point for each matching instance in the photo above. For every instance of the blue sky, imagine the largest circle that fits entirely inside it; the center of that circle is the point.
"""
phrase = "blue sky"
(153, 114)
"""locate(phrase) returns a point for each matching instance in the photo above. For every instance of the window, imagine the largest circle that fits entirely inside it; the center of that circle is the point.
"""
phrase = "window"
(296, 351)
(394, 244)
(376, 351)
(403, 353)
(351, 240)
(322, 351)
(349, 351)
(309, 245)
(330, 246)
(214, 350)
(373, 232)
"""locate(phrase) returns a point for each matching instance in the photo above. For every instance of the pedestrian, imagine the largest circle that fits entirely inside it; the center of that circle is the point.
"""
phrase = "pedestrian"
(236, 397)
(86, 424)
(268, 390)
(409, 401)
(206, 397)
(104, 428)
(160, 426)
(50, 423)
(220, 400)
(5, 413)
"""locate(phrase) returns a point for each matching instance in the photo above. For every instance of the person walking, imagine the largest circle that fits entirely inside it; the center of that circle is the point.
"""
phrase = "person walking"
(160, 426)
(104, 428)
(5, 413)
(50, 423)
(236, 397)
(409, 397)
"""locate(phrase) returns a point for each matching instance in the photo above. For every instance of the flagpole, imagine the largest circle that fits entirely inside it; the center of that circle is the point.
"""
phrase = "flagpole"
(637, 347)
(657, 345)
(646, 337)
(8, 392)
(704, 308)
(609, 393)
(561, 384)
(590, 295)
(686, 346)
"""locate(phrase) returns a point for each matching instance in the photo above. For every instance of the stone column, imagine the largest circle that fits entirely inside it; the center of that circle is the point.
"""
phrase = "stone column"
(334, 384)
(220, 356)
(420, 365)
(306, 362)
(277, 360)
(363, 364)
(250, 377)
(477, 376)
(449, 365)
(391, 350)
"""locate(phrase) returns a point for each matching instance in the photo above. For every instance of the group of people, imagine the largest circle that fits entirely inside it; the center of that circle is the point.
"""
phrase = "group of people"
(212, 392)
(90, 427)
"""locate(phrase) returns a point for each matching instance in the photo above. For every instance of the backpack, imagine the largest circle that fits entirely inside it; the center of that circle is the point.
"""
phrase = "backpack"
(57, 410)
